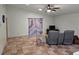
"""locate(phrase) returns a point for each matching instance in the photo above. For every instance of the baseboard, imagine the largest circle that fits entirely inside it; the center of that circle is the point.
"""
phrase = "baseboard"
(18, 36)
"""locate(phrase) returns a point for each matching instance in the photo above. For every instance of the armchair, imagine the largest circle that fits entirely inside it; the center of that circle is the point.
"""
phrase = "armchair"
(52, 37)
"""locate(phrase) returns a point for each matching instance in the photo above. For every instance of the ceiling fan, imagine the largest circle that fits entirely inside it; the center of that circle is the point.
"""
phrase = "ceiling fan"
(52, 8)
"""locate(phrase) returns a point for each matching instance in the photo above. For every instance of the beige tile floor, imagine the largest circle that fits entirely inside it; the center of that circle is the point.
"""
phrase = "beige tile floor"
(28, 46)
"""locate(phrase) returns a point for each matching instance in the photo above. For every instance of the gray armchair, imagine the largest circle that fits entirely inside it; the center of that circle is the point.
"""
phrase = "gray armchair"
(52, 37)
(68, 37)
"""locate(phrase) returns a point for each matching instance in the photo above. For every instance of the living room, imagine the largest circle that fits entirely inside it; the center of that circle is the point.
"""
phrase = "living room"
(15, 31)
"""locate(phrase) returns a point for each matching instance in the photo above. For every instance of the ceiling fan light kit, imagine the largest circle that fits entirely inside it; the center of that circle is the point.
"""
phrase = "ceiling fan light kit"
(48, 10)
(52, 8)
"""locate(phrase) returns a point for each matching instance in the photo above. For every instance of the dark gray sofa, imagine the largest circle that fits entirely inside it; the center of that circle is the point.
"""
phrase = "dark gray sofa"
(55, 37)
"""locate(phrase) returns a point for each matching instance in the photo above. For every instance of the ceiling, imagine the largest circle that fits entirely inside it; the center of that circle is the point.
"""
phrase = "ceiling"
(64, 8)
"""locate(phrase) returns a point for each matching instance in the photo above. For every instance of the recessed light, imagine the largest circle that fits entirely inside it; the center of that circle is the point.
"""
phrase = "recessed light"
(40, 9)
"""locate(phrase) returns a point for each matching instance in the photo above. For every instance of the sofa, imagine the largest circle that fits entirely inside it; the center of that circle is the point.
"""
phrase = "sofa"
(55, 37)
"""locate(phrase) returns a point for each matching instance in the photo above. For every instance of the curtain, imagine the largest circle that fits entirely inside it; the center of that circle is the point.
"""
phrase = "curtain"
(35, 26)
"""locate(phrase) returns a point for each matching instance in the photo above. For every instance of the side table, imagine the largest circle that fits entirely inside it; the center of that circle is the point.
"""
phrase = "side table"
(76, 40)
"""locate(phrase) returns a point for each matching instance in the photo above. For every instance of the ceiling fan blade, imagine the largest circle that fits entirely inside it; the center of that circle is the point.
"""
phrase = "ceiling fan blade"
(53, 10)
(56, 8)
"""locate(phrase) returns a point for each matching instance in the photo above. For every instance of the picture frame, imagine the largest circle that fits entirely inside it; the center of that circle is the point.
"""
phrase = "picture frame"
(3, 18)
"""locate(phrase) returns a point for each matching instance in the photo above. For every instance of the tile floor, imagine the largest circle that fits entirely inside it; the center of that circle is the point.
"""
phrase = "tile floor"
(28, 46)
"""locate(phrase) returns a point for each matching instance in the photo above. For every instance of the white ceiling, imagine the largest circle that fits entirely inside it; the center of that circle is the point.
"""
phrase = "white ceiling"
(64, 8)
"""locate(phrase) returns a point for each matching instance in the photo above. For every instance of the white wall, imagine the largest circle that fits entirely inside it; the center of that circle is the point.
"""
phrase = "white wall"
(68, 22)
(2, 29)
(18, 21)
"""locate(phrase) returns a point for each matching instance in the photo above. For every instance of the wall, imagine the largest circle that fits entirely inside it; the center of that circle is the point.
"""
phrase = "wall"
(18, 21)
(68, 22)
(2, 29)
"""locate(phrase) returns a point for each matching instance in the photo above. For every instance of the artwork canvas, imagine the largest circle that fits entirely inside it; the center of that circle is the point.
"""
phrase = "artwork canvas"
(35, 26)
(3, 18)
